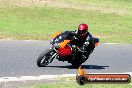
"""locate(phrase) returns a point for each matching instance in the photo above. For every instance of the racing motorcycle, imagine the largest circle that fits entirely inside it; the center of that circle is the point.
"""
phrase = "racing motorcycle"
(63, 50)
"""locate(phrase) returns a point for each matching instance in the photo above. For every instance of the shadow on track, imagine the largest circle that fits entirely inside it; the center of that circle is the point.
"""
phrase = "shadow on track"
(83, 66)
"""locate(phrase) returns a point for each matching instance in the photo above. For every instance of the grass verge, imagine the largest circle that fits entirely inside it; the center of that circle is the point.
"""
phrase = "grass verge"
(108, 19)
(75, 85)
(71, 83)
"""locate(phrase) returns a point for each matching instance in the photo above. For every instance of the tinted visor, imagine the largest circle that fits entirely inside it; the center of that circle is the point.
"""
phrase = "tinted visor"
(82, 31)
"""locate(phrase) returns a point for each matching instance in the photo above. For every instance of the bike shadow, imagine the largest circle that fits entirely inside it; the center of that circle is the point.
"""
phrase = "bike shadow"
(99, 67)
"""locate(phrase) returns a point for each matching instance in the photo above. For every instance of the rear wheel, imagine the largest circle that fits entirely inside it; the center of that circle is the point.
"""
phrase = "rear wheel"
(46, 57)
(76, 63)
(77, 60)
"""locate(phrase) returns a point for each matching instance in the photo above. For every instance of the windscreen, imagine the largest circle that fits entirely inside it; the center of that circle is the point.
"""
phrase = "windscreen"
(61, 37)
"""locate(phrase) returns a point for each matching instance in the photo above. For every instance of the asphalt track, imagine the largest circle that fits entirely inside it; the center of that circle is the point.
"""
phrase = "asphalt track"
(18, 58)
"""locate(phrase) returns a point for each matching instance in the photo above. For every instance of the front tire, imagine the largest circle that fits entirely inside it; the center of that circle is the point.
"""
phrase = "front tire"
(44, 58)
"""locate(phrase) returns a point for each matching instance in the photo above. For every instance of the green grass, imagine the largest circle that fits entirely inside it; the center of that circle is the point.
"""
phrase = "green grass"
(109, 20)
(75, 85)
(71, 83)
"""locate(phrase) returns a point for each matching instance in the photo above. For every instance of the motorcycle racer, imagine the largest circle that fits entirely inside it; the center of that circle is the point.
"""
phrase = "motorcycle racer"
(82, 38)
(71, 46)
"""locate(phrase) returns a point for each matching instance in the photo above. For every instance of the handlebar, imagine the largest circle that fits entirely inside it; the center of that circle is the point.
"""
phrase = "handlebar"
(77, 48)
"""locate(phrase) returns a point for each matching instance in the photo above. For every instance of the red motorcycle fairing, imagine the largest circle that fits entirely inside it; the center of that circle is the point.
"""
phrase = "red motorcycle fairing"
(67, 50)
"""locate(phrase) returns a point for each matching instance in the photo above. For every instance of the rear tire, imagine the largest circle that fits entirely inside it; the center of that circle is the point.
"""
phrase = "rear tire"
(77, 61)
(44, 58)
(76, 64)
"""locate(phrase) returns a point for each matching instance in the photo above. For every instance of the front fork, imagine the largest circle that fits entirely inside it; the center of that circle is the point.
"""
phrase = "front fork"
(53, 56)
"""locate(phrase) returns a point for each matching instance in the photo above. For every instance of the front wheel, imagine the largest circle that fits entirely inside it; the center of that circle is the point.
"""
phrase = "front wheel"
(46, 57)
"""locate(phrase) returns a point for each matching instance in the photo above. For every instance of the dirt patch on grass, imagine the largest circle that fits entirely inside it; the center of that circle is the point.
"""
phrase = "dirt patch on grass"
(29, 3)
(64, 4)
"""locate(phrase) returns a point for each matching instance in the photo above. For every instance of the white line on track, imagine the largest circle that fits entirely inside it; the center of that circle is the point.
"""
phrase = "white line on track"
(45, 77)
(116, 43)
(39, 77)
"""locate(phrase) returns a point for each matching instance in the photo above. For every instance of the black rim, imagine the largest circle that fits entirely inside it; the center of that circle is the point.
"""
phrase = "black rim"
(46, 59)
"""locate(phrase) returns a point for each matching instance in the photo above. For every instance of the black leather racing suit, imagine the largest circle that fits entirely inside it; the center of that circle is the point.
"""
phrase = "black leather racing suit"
(84, 43)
